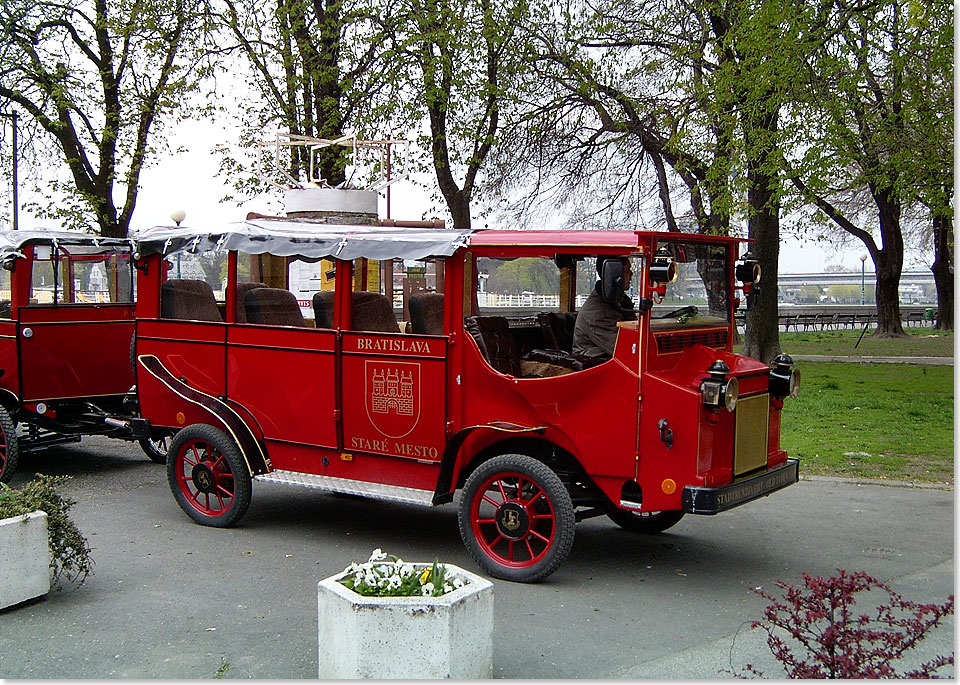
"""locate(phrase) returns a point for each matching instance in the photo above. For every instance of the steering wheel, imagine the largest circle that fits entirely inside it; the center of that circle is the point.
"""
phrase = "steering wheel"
(689, 310)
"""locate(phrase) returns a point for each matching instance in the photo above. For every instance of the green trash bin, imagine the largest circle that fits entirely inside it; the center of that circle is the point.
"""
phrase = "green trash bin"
(928, 314)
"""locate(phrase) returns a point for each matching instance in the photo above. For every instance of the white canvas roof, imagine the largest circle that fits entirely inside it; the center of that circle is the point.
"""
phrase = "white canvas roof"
(305, 239)
(12, 242)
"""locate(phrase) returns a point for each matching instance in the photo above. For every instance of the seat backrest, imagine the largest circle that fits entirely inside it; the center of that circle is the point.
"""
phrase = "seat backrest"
(323, 309)
(242, 289)
(273, 307)
(426, 313)
(557, 329)
(495, 341)
(373, 312)
(187, 298)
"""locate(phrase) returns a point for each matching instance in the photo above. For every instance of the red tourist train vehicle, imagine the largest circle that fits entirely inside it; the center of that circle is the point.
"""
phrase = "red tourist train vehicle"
(66, 329)
(410, 363)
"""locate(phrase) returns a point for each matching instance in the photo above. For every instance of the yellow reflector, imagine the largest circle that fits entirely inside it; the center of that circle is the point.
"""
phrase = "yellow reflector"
(668, 486)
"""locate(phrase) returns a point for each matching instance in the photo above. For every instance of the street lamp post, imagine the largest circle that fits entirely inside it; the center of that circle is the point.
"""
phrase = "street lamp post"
(863, 268)
(178, 215)
(16, 203)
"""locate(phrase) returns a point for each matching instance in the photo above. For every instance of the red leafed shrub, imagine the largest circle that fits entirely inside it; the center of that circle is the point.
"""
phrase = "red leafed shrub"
(814, 633)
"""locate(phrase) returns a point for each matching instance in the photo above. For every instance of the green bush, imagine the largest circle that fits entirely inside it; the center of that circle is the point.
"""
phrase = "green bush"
(70, 553)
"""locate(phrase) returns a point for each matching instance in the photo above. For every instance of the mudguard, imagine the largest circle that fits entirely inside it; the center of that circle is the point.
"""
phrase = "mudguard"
(251, 449)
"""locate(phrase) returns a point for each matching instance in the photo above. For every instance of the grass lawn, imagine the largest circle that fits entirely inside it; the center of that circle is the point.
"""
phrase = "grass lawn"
(923, 342)
(886, 421)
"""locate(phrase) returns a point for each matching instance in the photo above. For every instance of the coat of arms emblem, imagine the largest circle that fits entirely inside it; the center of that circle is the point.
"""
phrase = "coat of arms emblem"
(392, 391)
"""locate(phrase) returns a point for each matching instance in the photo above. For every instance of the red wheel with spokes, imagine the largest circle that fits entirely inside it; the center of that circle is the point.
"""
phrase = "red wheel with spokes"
(516, 518)
(208, 476)
(9, 446)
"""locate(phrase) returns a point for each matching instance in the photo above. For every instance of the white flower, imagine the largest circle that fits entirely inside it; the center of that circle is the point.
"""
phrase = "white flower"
(427, 589)
(395, 581)
(377, 553)
(458, 582)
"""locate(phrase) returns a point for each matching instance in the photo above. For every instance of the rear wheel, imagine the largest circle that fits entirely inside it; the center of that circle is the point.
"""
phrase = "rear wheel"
(208, 476)
(645, 521)
(156, 447)
(516, 518)
(9, 446)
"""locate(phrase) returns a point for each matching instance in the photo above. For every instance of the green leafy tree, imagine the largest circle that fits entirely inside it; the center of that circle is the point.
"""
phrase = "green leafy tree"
(449, 69)
(863, 130)
(688, 95)
(527, 274)
(95, 78)
(295, 57)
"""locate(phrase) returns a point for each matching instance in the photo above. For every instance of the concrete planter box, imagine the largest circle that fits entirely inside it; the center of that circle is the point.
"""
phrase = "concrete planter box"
(24, 558)
(406, 637)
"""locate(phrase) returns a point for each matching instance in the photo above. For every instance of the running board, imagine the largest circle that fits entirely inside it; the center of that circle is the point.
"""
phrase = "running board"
(380, 491)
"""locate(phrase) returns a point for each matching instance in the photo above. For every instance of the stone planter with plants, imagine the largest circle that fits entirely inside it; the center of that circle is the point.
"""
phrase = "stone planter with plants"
(388, 618)
(39, 543)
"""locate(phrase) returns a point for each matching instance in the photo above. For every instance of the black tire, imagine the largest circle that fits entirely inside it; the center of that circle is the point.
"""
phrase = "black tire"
(9, 446)
(208, 476)
(516, 518)
(649, 522)
(133, 356)
(156, 447)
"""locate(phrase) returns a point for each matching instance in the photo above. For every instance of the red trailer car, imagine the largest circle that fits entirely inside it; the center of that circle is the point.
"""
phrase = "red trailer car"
(409, 363)
(66, 328)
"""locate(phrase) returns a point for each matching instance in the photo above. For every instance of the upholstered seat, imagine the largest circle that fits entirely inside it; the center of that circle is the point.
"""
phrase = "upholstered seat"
(426, 313)
(373, 312)
(273, 307)
(323, 309)
(242, 289)
(557, 328)
(190, 299)
(495, 341)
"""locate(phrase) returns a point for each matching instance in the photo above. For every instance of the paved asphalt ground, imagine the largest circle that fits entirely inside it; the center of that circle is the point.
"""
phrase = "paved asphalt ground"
(171, 599)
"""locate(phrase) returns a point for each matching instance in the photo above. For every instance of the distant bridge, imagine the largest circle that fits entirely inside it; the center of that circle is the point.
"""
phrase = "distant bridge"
(919, 278)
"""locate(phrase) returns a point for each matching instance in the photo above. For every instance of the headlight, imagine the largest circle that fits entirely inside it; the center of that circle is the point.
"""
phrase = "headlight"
(717, 390)
(731, 391)
(784, 377)
(748, 270)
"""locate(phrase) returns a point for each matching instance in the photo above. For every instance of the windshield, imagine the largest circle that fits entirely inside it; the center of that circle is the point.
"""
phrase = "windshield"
(699, 296)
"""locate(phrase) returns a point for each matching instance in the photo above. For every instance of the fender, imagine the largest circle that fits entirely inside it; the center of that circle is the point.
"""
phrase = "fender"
(236, 427)
(442, 493)
(8, 398)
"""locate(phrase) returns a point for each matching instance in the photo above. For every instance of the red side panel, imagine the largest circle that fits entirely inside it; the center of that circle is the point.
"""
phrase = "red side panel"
(191, 351)
(393, 394)
(285, 378)
(9, 380)
(75, 351)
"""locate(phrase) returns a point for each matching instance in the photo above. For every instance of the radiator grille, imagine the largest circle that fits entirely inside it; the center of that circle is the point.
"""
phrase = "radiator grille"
(750, 450)
(675, 342)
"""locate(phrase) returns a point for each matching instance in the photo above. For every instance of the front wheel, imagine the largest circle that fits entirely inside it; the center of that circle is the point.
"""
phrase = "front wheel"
(516, 518)
(208, 476)
(645, 521)
(9, 446)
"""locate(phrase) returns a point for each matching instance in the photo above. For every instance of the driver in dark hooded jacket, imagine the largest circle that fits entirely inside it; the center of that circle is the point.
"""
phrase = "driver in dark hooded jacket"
(595, 332)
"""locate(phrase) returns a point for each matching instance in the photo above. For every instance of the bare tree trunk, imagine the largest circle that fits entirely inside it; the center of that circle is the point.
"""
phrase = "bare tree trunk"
(762, 339)
(943, 269)
(888, 263)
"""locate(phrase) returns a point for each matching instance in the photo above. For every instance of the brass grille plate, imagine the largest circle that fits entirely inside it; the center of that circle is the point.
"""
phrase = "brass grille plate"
(750, 441)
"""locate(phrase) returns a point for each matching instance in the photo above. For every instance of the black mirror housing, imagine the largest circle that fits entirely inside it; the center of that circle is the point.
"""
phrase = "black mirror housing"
(611, 281)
